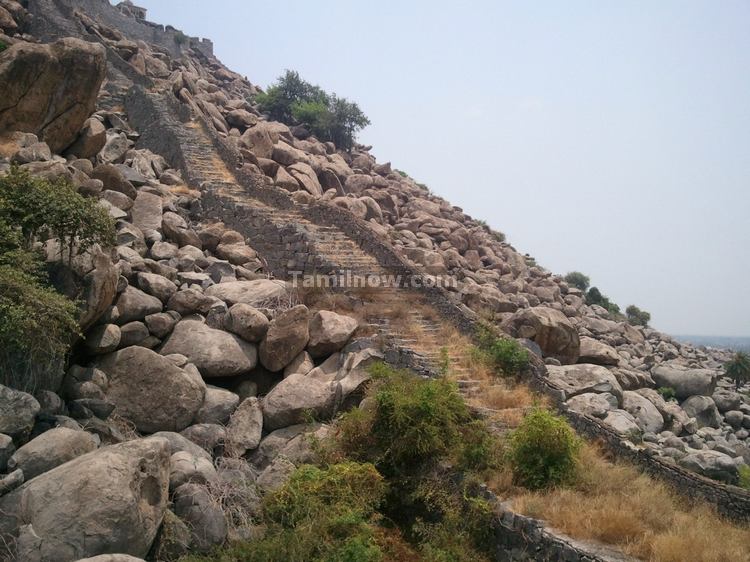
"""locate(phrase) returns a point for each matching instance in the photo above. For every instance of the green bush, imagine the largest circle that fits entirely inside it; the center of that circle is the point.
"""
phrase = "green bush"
(543, 451)
(3, 46)
(636, 316)
(595, 296)
(506, 355)
(416, 420)
(292, 100)
(32, 210)
(578, 279)
(744, 481)
(738, 369)
(667, 392)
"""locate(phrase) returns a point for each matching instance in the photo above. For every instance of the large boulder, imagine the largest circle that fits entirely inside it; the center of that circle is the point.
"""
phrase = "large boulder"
(216, 353)
(202, 513)
(50, 89)
(287, 336)
(18, 411)
(644, 411)
(713, 464)
(247, 322)
(593, 403)
(91, 139)
(134, 304)
(703, 409)
(150, 390)
(329, 332)
(218, 405)
(109, 500)
(685, 383)
(255, 293)
(52, 448)
(551, 331)
(581, 379)
(596, 352)
(297, 397)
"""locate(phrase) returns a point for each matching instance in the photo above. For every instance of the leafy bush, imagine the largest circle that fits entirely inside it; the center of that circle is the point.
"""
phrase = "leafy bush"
(32, 210)
(505, 354)
(543, 451)
(292, 100)
(636, 316)
(415, 420)
(578, 279)
(744, 477)
(595, 296)
(738, 369)
(667, 392)
(3, 46)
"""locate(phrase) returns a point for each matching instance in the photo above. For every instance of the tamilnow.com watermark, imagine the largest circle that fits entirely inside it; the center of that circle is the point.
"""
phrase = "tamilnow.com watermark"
(350, 280)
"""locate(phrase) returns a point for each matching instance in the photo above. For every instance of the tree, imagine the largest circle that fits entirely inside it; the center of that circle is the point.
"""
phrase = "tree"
(636, 316)
(595, 297)
(578, 279)
(738, 369)
(33, 210)
(293, 101)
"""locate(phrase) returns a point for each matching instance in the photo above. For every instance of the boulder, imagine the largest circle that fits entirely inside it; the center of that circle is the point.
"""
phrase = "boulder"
(247, 322)
(685, 383)
(18, 411)
(156, 286)
(703, 409)
(712, 464)
(147, 211)
(150, 390)
(202, 514)
(216, 353)
(134, 304)
(90, 140)
(218, 406)
(551, 331)
(297, 397)
(593, 404)
(52, 448)
(727, 400)
(255, 293)
(329, 332)
(245, 427)
(580, 379)
(287, 336)
(109, 500)
(623, 423)
(209, 436)
(185, 467)
(301, 364)
(112, 558)
(176, 229)
(50, 88)
(646, 414)
(596, 352)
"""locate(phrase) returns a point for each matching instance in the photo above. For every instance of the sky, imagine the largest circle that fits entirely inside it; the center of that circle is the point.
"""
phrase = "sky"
(611, 138)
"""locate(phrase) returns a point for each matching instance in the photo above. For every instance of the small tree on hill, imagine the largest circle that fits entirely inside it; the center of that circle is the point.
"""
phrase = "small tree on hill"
(636, 316)
(738, 369)
(292, 100)
(578, 279)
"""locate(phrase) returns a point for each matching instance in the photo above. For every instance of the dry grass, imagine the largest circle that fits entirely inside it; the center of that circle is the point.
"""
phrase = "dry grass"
(618, 505)
(184, 190)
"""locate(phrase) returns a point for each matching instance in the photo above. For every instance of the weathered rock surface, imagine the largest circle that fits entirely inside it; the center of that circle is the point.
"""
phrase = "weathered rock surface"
(287, 336)
(112, 499)
(216, 353)
(50, 89)
(52, 448)
(329, 332)
(295, 397)
(150, 390)
(686, 383)
(551, 331)
(581, 379)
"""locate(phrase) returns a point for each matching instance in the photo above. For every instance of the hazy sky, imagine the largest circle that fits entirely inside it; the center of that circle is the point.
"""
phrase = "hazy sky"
(607, 137)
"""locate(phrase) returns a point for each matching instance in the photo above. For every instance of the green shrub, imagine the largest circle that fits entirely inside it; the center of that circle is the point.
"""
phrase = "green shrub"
(480, 449)
(32, 210)
(738, 369)
(636, 316)
(578, 279)
(504, 354)
(667, 392)
(595, 296)
(543, 451)
(744, 481)
(3, 46)
(416, 420)
(292, 100)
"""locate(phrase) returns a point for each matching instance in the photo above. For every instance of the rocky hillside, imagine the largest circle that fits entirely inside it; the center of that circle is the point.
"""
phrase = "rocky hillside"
(200, 365)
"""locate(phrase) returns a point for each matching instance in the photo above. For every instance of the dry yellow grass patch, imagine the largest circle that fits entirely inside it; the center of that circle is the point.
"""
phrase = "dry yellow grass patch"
(184, 190)
(618, 505)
